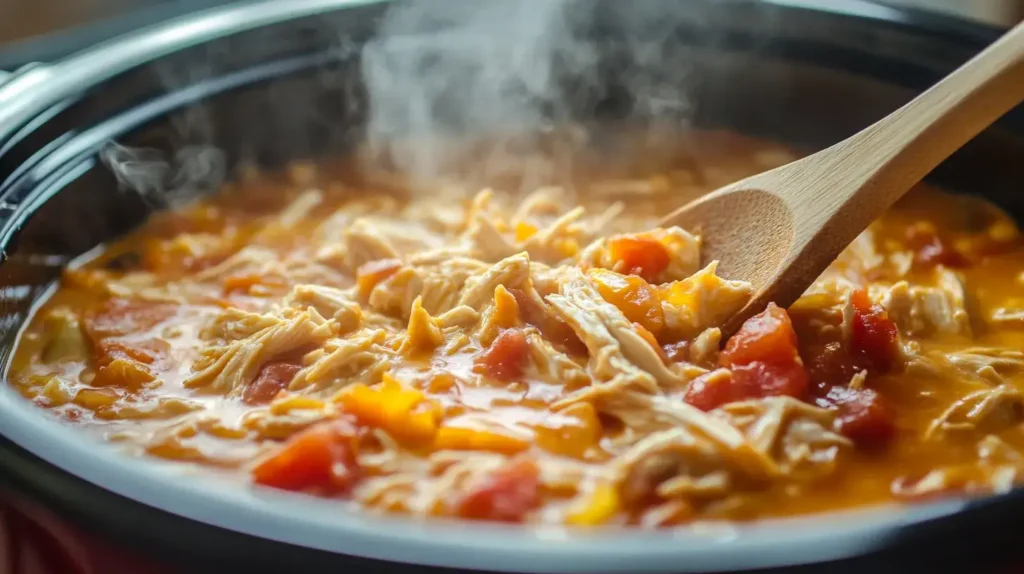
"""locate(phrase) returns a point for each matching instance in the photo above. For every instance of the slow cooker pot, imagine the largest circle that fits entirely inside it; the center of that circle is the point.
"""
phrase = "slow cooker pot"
(271, 81)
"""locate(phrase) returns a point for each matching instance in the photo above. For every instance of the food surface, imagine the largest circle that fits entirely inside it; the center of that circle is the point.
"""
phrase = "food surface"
(548, 356)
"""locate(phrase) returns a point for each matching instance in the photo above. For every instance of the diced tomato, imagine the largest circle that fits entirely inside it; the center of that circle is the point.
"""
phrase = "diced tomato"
(268, 382)
(633, 296)
(864, 416)
(930, 249)
(710, 391)
(506, 496)
(635, 255)
(874, 338)
(119, 316)
(759, 379)
(831, 364)
(370, 274)
(763, 359)
(506, 358)
(320, 457)
(766, 337)
(553, 328)
(749, 381)
(146, 351)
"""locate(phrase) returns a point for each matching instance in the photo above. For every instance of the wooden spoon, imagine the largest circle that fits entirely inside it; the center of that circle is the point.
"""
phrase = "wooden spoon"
(782, 228)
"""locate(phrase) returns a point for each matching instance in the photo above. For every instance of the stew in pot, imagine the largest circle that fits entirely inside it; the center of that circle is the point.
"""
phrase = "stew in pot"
(542, 357)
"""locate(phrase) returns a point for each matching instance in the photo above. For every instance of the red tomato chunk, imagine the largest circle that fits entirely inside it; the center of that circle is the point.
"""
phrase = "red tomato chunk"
(864, 416)
(930, 250)
(874, 339)
(268, 382)
(710, 391)
(764, 362)
(506, 358)
(506, 496)
(321, 457)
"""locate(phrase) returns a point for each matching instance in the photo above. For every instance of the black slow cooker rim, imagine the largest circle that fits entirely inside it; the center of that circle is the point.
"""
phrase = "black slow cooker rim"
(274, 516)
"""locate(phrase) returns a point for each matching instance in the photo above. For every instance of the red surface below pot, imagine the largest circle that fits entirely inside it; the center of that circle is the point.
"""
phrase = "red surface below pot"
(35, 541)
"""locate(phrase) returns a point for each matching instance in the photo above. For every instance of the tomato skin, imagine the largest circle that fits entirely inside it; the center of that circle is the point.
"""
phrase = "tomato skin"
(506, 496)
(864, 416)
(505, 360)
(322, 456)
(874, 338)
(641, 256)
(271, 379)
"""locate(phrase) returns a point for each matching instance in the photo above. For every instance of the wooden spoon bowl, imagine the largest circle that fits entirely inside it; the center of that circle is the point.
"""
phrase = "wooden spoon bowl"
(780, 229)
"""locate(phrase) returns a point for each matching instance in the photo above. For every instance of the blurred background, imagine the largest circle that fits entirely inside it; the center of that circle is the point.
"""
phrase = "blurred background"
(29, 19)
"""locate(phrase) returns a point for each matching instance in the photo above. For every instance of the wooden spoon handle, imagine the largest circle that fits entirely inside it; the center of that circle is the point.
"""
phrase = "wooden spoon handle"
(879, 164)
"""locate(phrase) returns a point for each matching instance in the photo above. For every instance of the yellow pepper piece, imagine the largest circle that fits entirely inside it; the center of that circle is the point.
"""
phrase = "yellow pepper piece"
(637, 300)
(457, 438)
(404, 413)
(524, 231)
(599, 508)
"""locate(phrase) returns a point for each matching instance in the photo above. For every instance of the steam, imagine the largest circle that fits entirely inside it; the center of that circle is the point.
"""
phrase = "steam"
(163, 181)
(447, 77)
(463, 90)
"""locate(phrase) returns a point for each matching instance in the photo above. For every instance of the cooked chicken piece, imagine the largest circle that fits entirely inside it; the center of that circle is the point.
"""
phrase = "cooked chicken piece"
(364, 244)
(594, 319)
(361, 352)
(424, 331)
(608, 362)
(702, 301)
(225, 369)
(509, 272)
(461, 316)
(440, 286)
(796, 435)
(970, 479)
(920, 310)
(988, 363)
(669, 464)
(650, 414)
(555, 365)
(329, 302)
(985, 411)
(704, 349)
(558, 241)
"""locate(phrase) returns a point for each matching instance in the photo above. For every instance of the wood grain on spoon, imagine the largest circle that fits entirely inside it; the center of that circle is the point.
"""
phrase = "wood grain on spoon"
(782, 228)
